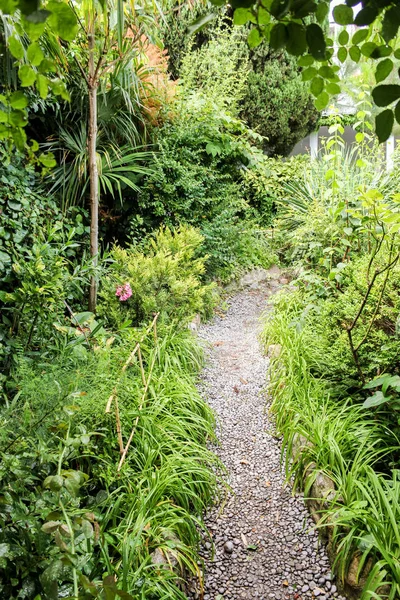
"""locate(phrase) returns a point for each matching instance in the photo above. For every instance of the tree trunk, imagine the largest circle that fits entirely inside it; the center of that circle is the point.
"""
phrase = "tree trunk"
(93, 173)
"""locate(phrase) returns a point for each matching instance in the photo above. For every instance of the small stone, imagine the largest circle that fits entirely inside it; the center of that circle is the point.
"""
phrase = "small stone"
(228, 547)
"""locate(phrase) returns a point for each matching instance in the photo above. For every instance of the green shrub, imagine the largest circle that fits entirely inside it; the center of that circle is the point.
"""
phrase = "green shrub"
(166, 278)
(69, 522)
(338, 436)
(277, 103)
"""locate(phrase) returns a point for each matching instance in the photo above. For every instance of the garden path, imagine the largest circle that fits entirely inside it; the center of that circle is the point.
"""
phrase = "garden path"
(265, 546)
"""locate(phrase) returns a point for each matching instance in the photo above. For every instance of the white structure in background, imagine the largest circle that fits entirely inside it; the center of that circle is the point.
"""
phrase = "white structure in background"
(344, 104)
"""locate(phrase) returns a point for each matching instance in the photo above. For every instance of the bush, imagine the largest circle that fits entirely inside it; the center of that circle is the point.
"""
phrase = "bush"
(40, 251)
(69, 522)
(166, 278)
(277, 103)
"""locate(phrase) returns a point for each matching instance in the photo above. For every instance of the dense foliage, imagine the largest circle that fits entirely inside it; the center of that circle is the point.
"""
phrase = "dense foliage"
(335, 381)
(273, 99)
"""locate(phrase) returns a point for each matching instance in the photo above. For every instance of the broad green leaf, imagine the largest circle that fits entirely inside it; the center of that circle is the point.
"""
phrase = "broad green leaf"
(35, 54)
(53, 482)
(263, 16)
(385, 94)
(317, 85)
(333, 89)
(343, 14)
(355, 53)
(309, 74)
(15, 47)
(343, 37)
(384, 124)
(316, 41)
(8, 7)
(342, 54)
(360, 36)
(51, 526)
(368, 48)
(322, 11)
(326, 72)
(33, 29)
(18, 100)
(42, 85)
(254, 38)
(18, 118)
(47, 66)
(278, 36)
(375, 400)
(62, 20)
(241, 16)
(359, 137)
(26, 75)
(383, 69)
(397, 112)
(322, 101)
(305, 61)
(297, 42)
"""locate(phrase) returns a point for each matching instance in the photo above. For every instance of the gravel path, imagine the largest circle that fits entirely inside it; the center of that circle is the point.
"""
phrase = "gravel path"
(264, 545)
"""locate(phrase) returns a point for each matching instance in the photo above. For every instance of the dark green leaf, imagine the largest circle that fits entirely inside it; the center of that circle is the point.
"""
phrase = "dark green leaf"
(317, 85)
(382, 51)
(397, 112)
(322, 11)
(360, 36)
(375, 400)
(368, 48)
(278, 36)
(385, 94)
(384, 124)
(391, 23)
(383, 70)
(342, 54)
(296, 43)
(279, 8)
(343, 14)
(355, 53)
(366, 16)
(316, 41)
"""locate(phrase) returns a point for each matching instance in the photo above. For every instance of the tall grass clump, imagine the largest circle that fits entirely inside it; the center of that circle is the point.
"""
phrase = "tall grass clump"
(338, 438)
(105, 471)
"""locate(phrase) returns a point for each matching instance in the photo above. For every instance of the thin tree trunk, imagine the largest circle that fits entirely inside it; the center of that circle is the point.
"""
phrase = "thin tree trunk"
(93, 171)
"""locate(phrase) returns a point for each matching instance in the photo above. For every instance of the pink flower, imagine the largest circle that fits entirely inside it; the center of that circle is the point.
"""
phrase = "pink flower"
(123, 292)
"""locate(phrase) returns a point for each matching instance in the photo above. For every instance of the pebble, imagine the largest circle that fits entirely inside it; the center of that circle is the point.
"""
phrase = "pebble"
(265, 543)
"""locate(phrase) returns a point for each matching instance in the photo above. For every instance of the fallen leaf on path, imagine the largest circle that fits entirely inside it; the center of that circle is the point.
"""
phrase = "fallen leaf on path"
(285, 582)
(244, 539)
(267, 483)
(244, 462)
(218, 343)
(236, 389)
(252, 547)
(244, 381)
